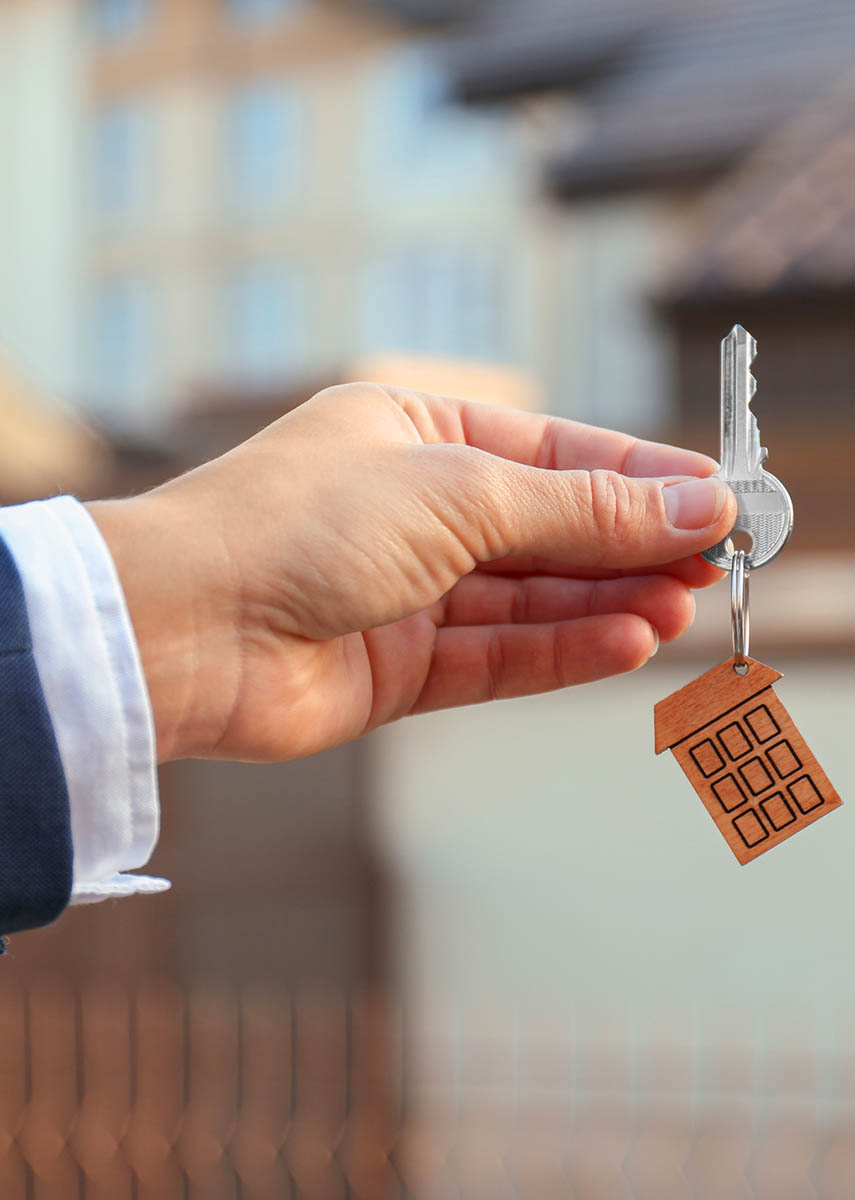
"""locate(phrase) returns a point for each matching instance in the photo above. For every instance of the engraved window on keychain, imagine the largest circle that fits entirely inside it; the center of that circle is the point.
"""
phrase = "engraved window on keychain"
(728, 730)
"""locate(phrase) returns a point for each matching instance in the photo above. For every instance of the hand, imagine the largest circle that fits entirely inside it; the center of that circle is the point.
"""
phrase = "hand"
(379, 552)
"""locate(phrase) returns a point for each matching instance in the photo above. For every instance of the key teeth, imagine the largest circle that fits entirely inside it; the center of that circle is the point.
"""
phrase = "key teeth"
(738, 351)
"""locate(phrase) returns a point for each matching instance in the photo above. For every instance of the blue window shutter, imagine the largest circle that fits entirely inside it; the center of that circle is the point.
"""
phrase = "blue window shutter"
(265, 324)
(124, 341)
(122, 162)
(261, 10)
(416, 132)
(438, 298)
(263, 148)
(120, 18)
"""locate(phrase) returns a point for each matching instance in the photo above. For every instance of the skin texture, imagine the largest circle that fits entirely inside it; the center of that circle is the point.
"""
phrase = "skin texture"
(379, 552)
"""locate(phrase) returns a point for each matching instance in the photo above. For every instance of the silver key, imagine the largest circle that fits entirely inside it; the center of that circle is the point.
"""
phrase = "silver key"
(765, 508)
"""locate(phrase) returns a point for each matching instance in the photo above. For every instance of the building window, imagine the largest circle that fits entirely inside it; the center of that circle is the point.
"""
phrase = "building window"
(264, 135)
(437, 299)
(123, 345)
(122, 159)
(120, 18)
(260, 10)
(415, 130)
(264, 325)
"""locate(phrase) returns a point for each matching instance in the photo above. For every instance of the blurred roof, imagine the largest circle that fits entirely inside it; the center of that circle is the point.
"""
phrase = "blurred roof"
(784, 221)
(673, 90)
(544, 45)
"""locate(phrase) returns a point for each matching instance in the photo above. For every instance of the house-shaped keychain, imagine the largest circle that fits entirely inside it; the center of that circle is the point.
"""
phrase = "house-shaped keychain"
(745, 758)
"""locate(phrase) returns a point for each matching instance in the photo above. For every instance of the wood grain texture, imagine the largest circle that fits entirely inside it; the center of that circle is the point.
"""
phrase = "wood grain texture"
(702, 700)
(744, 756)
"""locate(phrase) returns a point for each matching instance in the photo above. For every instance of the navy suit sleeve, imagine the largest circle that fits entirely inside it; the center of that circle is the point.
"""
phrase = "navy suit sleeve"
(35, 825)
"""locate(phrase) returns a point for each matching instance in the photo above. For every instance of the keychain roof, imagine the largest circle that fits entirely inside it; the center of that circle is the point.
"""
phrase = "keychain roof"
(700, 702)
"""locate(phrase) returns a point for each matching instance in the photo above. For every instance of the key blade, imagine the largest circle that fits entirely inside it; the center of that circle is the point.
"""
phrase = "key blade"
(764, 509)
(741, 452)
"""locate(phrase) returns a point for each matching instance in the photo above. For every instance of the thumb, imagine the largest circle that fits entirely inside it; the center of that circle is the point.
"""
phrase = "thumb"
(604, 519)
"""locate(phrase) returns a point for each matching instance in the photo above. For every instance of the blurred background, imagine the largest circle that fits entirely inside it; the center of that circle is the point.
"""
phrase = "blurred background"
(490, 953)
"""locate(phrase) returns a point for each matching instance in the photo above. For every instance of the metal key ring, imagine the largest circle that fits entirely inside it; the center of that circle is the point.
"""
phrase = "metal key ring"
(739, 625)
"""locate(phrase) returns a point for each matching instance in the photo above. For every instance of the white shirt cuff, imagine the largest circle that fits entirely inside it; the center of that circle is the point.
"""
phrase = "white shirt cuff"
(87, 657)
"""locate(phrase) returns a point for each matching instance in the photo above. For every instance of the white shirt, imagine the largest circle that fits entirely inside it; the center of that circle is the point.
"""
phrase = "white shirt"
(87, 657)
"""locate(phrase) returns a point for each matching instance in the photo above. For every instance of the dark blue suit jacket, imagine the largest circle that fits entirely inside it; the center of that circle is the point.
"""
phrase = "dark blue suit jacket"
(35, 828)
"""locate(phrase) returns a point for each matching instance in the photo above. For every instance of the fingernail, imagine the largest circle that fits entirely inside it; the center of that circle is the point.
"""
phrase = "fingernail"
(694, 504)
(655, 649)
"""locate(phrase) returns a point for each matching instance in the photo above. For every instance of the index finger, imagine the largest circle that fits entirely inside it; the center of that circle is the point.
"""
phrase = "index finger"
(558, 444)
(694, 571)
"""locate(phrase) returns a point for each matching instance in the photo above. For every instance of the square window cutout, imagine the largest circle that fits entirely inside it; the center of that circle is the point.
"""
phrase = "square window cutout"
(777, 811)
(728, 793)
(750, 828)
(756, 775)
(762, 724)
(806, 794)
(783, 759)
(707, 759)
(733, 738)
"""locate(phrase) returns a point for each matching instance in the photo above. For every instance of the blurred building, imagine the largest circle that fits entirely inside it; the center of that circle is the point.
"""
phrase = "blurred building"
(274, 188)
(549, 886)
(254, 194)
(721, 133)
(42, 253)
(213, 207)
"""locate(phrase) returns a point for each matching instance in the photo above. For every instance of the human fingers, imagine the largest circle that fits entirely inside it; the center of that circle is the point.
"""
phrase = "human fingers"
(694, 571)
(599, 519)
(538, 440)
(479, 663)
(666, 603)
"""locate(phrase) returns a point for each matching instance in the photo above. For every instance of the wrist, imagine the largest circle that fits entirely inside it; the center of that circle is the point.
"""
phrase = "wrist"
(184, 630)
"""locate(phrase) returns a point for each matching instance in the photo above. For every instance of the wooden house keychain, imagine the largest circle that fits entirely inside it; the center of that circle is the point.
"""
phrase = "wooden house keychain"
(728, 730)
